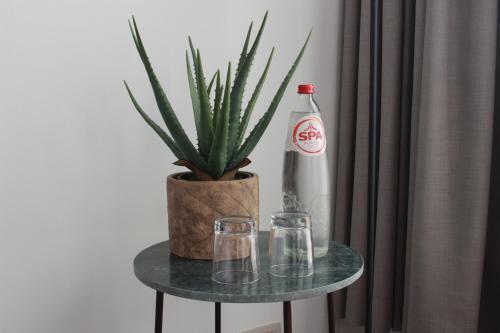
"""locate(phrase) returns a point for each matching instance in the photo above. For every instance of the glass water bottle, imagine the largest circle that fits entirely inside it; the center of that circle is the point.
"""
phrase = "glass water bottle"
(306, 183)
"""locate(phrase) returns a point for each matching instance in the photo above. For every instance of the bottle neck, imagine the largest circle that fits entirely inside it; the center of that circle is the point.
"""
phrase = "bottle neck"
(306, 103)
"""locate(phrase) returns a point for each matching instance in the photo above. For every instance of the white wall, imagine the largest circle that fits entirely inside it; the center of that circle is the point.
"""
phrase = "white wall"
(82, 178)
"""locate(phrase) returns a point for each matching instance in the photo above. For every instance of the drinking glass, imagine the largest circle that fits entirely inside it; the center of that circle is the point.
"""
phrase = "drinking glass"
(291, 249)
(236, 251)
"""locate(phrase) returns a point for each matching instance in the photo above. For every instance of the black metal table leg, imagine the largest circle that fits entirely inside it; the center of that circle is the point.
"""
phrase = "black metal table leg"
(159, 312)
(217, 317)
(287, 317)
(331, 313)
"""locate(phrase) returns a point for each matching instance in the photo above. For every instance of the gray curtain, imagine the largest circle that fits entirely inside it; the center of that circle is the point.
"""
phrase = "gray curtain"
(436, 257)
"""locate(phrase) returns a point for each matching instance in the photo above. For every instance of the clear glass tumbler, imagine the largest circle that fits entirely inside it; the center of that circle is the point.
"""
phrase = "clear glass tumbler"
(291, 249)
(236, 250)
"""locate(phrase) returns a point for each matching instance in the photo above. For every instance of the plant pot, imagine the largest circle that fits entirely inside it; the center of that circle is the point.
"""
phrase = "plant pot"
(193, 207)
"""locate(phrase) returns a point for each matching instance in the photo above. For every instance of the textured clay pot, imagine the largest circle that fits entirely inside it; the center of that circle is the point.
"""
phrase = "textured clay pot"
(193, 207)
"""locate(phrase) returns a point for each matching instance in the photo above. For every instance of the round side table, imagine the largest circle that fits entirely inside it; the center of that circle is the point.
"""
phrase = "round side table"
(167, 273)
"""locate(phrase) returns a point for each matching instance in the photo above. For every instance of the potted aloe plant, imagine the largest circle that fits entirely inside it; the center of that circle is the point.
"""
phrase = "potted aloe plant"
(214, 186)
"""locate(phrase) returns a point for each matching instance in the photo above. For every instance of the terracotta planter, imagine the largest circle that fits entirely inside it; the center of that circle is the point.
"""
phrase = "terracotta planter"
(193, 207)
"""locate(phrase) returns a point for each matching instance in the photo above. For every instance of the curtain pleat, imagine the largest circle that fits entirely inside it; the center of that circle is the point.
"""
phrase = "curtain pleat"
(490, 296)
(347, 133)
(356, 296)
(406, 98)
(390, 134)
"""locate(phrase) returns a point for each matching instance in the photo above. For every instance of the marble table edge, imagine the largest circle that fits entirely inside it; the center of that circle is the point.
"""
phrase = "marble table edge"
(270, 298)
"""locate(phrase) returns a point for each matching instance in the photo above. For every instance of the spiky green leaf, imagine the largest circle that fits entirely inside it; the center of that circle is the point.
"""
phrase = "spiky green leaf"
(219, 89)
(195, 100)
(193, 51)
(257, 132)
(218, 153)
(244, 51)
(253, 100)
(238, 89)
(167, 113)
(209, 88)
(206, 135)
(164, 136)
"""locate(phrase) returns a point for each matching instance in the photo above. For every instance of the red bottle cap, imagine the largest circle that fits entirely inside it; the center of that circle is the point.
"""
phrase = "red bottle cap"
(306, 89)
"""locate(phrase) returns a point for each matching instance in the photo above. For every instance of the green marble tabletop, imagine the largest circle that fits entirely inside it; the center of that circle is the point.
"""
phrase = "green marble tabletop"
(161, 270)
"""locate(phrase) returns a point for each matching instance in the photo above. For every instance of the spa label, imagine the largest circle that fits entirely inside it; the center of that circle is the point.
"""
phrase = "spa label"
(308, 136)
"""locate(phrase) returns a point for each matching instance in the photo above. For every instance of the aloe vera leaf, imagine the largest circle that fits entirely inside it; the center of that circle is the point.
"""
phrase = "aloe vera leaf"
(195, 100)
(163, 135)
(193, 52)
(206, 134)
(175, 128)
(238, 89)
(243, 54)
(257, 132)
(202, 147)
(217, 107)
(253, 100)
(219, 89)
(218, 153)
(210, 84)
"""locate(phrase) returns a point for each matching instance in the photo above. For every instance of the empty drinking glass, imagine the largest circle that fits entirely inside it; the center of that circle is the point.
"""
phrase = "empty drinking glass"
(291, 249)
(236, 251)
